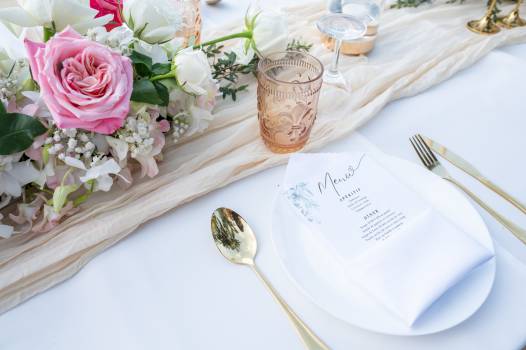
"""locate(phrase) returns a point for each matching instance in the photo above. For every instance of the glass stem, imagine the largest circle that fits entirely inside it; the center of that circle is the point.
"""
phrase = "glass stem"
(334, 65)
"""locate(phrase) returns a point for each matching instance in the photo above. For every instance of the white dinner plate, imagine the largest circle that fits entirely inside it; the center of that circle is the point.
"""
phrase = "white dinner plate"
(338, 296)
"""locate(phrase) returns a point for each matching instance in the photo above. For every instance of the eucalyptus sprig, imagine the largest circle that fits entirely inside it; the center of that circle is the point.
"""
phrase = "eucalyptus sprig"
(415, 3)
(228, 73)
(409, 3)
(299, 45)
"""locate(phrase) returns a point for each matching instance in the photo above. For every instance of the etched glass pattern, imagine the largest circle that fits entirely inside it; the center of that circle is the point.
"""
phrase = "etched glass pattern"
(289, 85)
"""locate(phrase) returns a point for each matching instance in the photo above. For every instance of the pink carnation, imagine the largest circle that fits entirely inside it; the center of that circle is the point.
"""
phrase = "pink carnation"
(84, 84)
(108, 7)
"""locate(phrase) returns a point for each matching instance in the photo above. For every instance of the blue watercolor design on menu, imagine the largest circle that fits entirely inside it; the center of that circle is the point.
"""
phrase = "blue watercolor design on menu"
(303, 199)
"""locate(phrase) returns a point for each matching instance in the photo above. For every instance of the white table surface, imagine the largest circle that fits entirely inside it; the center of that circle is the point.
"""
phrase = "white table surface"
(167, 287)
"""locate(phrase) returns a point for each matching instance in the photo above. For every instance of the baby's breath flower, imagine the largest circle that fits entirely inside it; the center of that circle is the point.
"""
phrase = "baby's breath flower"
(180, 125)
(71, 143)
(136, 132)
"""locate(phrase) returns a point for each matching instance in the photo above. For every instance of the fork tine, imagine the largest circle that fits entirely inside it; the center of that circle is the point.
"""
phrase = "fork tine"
(428, 150)
(423, 151)
(420, 155)
(428, 161)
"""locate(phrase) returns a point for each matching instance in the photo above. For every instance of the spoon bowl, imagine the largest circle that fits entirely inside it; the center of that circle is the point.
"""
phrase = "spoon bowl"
(233, 237)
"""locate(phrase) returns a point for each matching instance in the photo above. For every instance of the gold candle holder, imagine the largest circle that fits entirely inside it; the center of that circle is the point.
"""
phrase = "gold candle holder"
(485, 25)
(513, 19)
(361, 46)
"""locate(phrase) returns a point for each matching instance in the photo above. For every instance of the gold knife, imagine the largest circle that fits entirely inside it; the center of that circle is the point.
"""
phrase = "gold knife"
(469, 169)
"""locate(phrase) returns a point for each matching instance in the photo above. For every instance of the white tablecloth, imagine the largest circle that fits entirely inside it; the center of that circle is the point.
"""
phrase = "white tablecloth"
(167, 287)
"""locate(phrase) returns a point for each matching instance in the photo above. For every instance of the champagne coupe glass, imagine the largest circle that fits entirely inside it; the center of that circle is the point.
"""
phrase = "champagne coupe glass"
(340, 27)
(365, 10)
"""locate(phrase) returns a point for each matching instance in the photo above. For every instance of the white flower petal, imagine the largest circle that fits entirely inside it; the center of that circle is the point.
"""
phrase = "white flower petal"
(6, 231)
(108, 167)
(84, 25)
(120, 147)
(40, 9)
(201, 118)
(10, 185)
(18, 16)
(270, 33)
(104, 183)
(243, 57)
(193, 71)
(77, 14)
(156, 52)
(75, 163)
(25, 172)
(159, 35)
(155, 20)
(12, 45)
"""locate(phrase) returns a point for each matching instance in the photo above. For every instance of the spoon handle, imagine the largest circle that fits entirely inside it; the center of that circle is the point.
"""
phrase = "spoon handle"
(311, 341)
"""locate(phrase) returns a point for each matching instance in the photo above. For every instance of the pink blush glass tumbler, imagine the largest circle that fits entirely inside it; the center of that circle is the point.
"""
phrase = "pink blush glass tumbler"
(289, 86)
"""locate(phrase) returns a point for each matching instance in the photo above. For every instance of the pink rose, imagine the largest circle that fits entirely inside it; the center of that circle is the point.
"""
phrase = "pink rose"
(84, 84)
(108, 7)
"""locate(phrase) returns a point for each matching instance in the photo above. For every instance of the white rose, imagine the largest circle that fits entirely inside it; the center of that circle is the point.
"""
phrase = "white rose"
(269, 32)
(60, 13)
(118, 39)
(154, 21)
(193, 71)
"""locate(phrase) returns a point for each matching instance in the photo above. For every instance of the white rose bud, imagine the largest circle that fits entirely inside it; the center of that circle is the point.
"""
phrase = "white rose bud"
(154, 21)
(270, 33)
(193, 71)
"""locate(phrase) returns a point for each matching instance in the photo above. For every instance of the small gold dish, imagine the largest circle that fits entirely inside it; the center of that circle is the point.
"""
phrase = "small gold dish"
(356, 47)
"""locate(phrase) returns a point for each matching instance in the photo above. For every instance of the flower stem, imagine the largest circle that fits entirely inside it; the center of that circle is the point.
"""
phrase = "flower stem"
(48, 33)
(247, 35)
(168, 75)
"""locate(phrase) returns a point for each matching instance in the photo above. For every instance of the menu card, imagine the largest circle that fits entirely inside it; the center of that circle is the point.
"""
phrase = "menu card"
(354, 194)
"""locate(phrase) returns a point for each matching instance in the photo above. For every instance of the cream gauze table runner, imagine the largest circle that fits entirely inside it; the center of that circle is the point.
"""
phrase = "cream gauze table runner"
(415, 49)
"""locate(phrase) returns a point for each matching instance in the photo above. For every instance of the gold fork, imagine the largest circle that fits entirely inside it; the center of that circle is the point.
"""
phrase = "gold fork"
(431, 162)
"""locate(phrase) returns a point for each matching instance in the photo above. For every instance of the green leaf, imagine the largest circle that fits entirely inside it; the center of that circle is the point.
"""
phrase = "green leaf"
(163, 93)
(131, 23)
(150, 92)
(60, 196)
(45, 153)
(85, 196)
(161, 68)
(48, 33)
(2, 108)
(17, 132)
(142, 64)
(138, 33)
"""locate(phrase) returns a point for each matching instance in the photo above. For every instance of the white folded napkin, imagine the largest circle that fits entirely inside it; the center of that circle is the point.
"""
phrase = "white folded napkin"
(389, 240)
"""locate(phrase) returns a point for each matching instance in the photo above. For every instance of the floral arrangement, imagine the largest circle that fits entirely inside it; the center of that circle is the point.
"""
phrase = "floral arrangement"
(96, 89)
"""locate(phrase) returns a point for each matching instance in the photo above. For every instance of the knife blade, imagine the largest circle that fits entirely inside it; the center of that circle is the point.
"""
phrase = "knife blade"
(469, 169)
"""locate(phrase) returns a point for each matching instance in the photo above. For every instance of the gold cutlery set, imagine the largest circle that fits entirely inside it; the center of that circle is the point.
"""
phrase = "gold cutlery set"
(237, 243)
(488, 25)
(424, 147)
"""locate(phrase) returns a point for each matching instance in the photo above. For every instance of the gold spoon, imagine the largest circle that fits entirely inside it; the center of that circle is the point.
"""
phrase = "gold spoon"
(236, 241)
